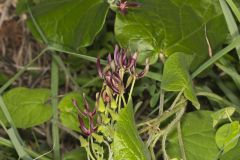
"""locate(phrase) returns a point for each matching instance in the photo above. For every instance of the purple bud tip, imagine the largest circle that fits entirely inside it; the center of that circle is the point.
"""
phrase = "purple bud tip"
(100, 72)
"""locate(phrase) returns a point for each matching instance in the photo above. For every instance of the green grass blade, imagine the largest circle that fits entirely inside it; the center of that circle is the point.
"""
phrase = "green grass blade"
(231, 23)
(19, 148)
(234, 8)
(235, 43)
(227, 92)
(64, 68)
(218, 99)
(20, 72)
(54, 94)
(232, 73)
(9, 118)
(6, 143)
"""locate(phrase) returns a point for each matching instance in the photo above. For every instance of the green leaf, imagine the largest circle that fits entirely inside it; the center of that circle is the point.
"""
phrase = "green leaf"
(169, 26)
(68, 112)
(127, 143)
(198, 137)
(176, 76)
(76, 154)
(71, 24)
(27, 107)
(222, 114)
(233, 154)
(227, 136)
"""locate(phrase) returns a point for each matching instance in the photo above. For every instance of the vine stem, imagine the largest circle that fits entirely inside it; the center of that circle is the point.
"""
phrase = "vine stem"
(169, 128)
(180, 141)
(131, 90)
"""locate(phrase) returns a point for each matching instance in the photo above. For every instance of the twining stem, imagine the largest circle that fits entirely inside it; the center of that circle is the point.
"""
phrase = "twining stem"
(131, 90)
(176, 100)
(169, 128)
(157, 121)
(20, 72)
(180, 141)
(54, 101)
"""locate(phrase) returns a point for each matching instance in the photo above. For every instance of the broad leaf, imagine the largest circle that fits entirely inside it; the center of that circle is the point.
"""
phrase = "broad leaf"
(233, 154)
(127, 143)
(27, 107)
(227, 136)
(70, 24)
(76, 154)
(198, 137)
(222, 114)
(68, 112)
(176, 76)
(169, 26)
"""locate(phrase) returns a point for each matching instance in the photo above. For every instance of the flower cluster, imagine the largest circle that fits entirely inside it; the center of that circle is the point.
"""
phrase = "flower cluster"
(113, 73)
(86, 114)
(123, 6)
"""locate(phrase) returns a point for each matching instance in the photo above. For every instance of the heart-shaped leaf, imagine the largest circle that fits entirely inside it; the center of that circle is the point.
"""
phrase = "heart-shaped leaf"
(227, 136)
(27, 107)
(68, 112)
(169, 26)
(176, 76)
(198, 137)
(70, 24)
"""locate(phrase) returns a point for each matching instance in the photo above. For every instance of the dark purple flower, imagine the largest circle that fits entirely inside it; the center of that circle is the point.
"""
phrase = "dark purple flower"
(123, 6)
(86, 114)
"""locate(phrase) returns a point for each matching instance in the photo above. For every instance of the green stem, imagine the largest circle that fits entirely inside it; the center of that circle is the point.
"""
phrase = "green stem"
(9, 119)
(180, 141)
(131, 90)
(20, 72)
(7, 143)
(62, 65)
(124, 101)
(217, 56)
(161, 103)
(169, 128)
(54, 93)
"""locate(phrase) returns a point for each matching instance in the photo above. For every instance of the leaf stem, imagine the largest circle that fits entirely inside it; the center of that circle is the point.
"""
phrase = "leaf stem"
(131, 90)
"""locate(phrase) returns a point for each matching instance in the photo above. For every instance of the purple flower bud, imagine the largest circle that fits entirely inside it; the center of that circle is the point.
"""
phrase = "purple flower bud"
(83, 128)
(143, 73)
(116, 55)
